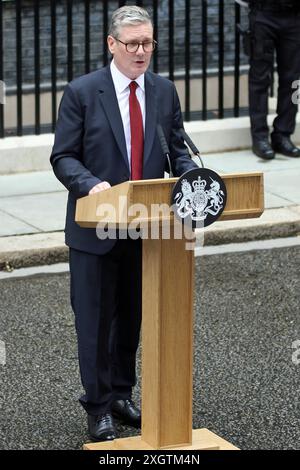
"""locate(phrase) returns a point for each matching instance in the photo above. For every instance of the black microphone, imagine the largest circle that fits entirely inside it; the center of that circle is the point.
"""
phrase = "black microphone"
(164, 147)
(191, 145)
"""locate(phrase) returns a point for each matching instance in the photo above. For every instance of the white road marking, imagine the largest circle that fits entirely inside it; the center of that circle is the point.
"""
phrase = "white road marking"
(24, 272)
(248, 246)
(199, 251)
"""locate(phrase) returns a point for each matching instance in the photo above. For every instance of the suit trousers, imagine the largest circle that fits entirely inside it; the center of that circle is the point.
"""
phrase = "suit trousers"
(272, 32)
(106, 297)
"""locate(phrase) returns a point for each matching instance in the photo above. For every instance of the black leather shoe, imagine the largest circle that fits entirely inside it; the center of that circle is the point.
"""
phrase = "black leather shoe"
(101, 428)
(263, 149)
(283, 144)
(127, 412)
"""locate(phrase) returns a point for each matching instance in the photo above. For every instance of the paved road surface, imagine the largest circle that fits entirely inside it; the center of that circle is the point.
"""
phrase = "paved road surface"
(246, 386)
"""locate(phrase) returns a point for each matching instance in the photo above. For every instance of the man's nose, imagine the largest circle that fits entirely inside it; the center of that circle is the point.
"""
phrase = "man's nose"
(139, 49)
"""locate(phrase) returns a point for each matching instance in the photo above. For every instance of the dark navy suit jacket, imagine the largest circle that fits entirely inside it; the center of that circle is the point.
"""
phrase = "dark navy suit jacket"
(90, 143)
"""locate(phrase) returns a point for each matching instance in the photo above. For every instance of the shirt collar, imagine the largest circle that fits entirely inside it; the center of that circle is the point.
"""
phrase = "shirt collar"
(120, 80)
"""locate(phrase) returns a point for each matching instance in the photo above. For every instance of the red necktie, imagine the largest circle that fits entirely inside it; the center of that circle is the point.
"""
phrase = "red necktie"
(137, 134)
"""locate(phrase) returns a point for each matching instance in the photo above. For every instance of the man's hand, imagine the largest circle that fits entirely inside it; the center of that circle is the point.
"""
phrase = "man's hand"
(99, 187)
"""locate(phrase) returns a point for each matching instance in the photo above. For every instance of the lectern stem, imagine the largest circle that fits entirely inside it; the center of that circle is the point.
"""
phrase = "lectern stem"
(167, 342)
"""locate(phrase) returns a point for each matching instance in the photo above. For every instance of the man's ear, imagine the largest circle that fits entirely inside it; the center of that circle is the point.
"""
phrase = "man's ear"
(111, 44)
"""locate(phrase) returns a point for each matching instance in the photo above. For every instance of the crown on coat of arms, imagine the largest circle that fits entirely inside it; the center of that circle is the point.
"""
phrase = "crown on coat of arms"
(199, 184)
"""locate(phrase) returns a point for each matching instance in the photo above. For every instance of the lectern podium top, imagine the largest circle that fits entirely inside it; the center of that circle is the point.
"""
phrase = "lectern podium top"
(119, 204)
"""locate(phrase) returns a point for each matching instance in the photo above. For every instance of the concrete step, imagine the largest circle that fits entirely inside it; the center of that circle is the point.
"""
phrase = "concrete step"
(49, 248)
(31, 153)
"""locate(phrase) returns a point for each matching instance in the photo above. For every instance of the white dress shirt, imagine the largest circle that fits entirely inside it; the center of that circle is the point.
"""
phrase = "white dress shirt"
(121, 84)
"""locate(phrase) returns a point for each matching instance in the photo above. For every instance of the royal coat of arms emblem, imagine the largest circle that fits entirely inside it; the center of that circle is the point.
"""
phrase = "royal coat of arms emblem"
(199, 196)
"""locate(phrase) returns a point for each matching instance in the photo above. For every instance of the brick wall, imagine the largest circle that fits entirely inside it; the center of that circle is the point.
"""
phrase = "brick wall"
(96, 32)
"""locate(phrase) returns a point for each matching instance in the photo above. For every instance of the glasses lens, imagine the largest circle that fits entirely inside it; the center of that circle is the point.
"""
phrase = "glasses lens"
(148, 46)
(132, 47)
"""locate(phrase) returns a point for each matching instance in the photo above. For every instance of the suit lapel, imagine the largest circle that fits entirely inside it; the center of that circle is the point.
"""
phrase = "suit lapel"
(151, 115)
(110, 105)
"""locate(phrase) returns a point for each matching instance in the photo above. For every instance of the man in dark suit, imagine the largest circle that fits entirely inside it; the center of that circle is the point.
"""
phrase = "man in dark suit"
(274, 26)
(105, 135)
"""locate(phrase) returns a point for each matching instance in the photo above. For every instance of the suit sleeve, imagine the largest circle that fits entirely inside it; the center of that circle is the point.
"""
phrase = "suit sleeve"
(66, 157)
(180, 157)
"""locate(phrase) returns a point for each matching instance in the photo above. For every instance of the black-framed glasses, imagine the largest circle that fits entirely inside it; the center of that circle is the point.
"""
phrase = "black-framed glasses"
(148, 46)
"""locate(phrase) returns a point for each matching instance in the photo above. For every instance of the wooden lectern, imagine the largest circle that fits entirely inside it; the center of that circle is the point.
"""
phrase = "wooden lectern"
(167, 327)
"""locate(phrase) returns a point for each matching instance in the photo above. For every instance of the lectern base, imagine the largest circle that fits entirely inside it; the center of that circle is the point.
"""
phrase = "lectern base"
(203, 439)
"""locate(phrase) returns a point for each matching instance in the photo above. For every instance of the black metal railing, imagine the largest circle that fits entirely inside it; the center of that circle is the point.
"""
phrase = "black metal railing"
(19, 68)
(1, 71)
(204, 60)
(197, 40)
(53, 66)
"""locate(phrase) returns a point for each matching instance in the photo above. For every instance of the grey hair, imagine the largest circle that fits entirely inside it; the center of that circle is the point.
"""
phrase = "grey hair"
(126, 16)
